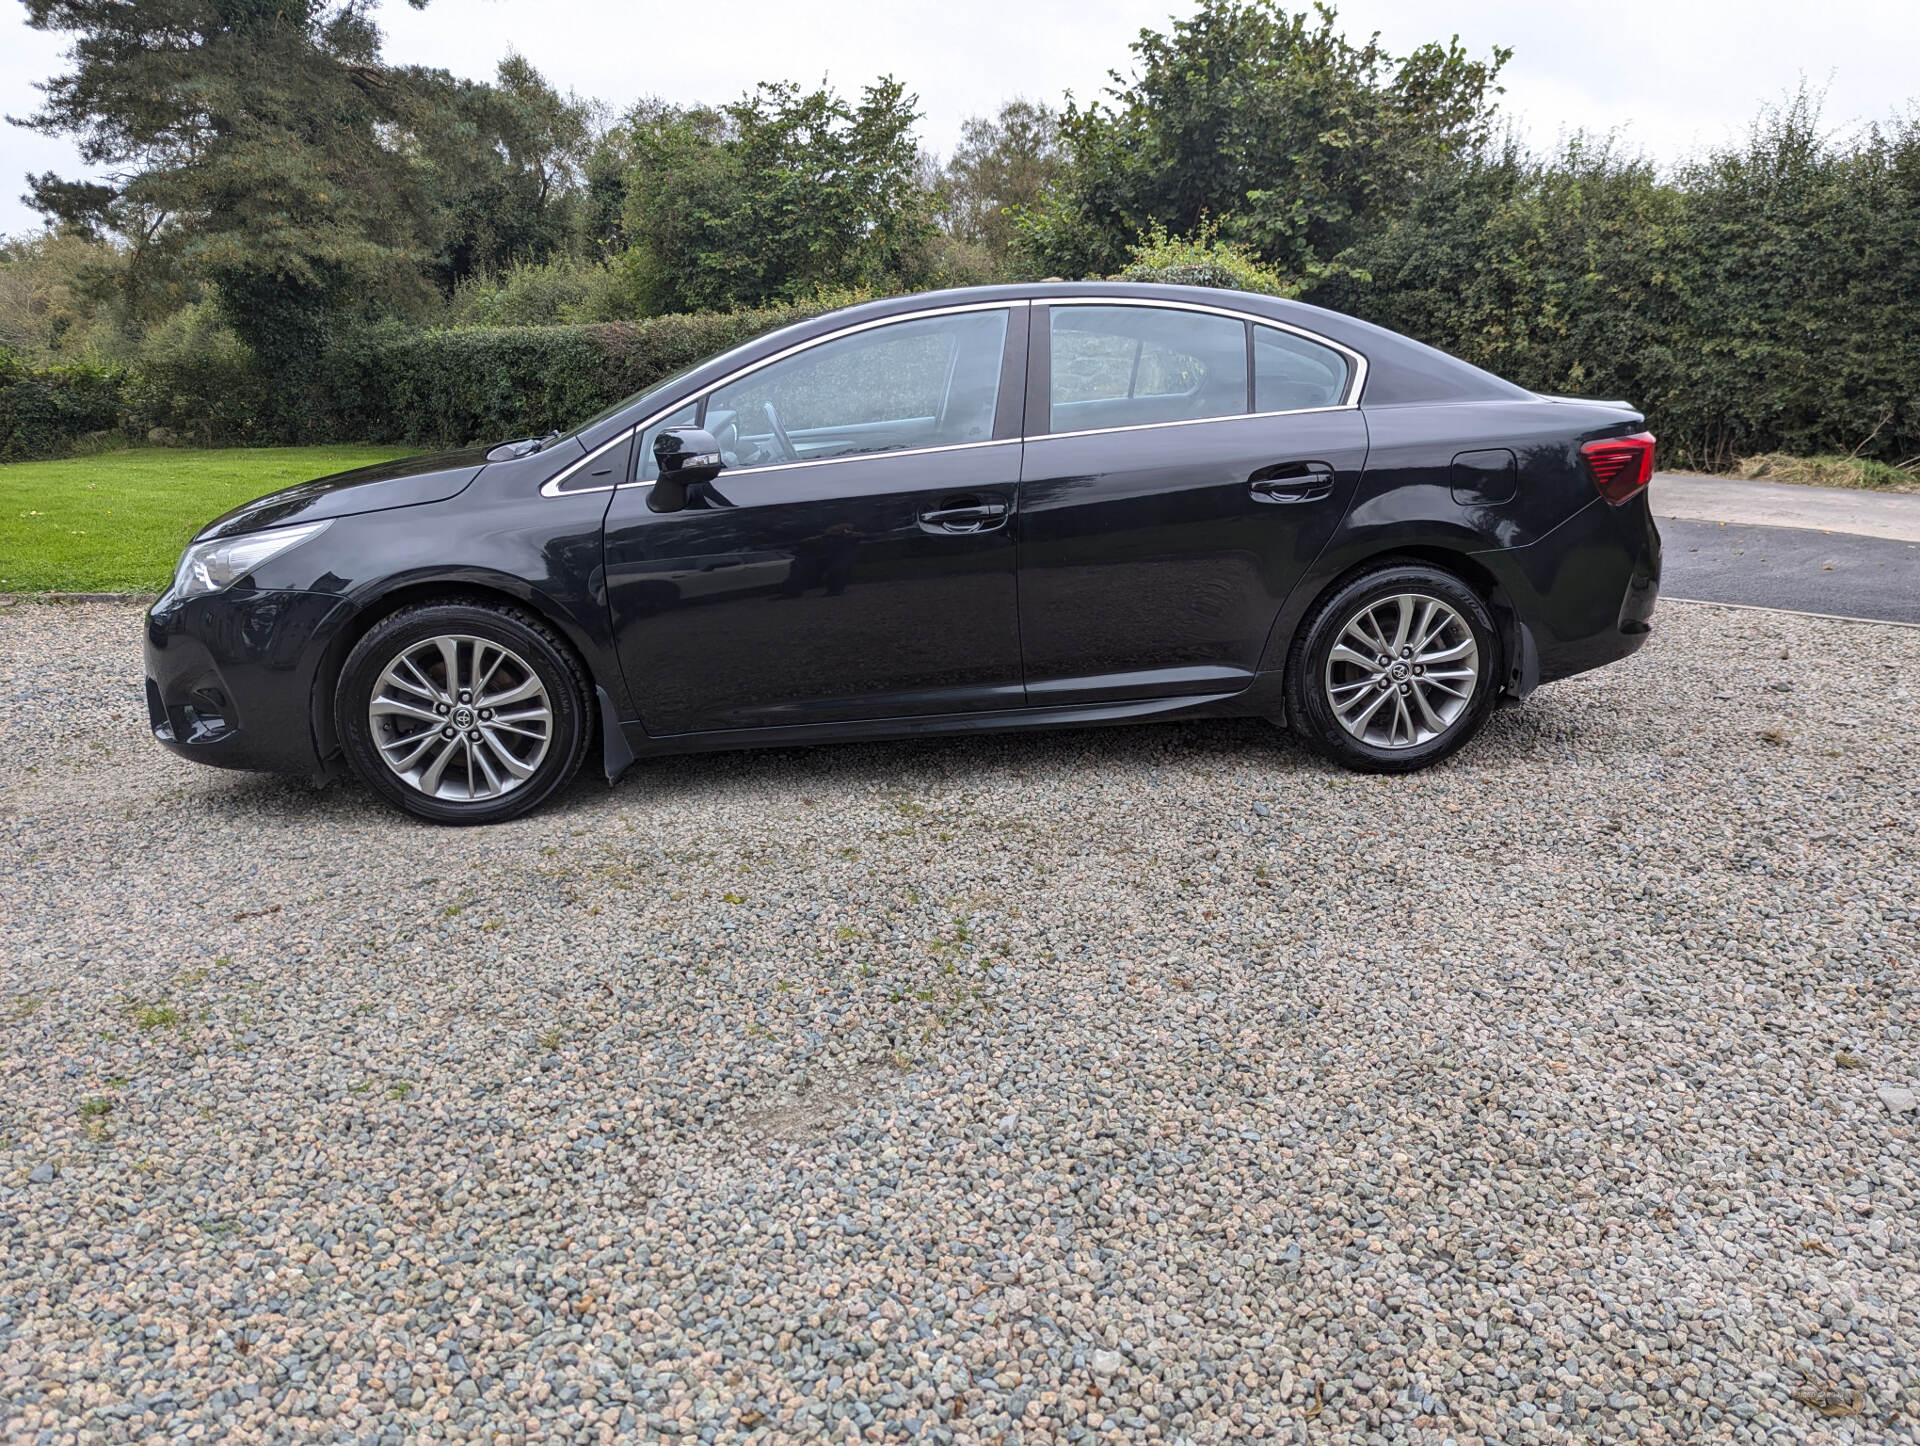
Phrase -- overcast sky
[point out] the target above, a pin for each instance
(1670, 75)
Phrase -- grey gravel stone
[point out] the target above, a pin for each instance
(40, 1175)
(893, 1091)
(1898, 1100)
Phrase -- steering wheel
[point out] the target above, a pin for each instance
(780, 432)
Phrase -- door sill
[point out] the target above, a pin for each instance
(1072, 715)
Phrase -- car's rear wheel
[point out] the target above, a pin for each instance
(462, 712)
(1395, 670)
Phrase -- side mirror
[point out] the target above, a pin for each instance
(685, 455)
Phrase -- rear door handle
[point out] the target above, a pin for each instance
(1292, 482)
(966, 514)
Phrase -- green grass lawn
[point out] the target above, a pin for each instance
(117, 522)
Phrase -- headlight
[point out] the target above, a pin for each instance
(209, 566)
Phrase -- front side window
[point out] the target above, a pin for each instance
(1291, 374)
(928, 383)
(1129, 366)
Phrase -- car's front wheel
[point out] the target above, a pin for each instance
(462, 712)
(1395, 670)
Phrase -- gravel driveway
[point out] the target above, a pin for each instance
(1146, 1084)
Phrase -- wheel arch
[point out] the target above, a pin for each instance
(1520, 653)
(482, 589)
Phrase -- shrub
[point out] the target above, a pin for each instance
(197, 381)
(51, 411)
(611, 293)
(1202, 259)
(559, 292)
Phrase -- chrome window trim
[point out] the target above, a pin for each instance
(1356, 384)
(1190, 422)
(552, 487)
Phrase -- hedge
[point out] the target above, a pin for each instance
(49, 411)
(1763, 299)
(447, 388)
(441, 388)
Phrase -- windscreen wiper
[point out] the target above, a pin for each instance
(522, 447)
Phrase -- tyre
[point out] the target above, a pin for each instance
(463, 712)
(1395, 669)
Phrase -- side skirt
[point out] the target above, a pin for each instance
(629, 740)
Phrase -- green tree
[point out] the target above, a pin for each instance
(1296, 140)
(775, 197)
(610, 161)
(248, 143)
(501, 166)
(57, 293)
(1004, 165)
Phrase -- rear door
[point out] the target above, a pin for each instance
(854, 560)
(1183, 467)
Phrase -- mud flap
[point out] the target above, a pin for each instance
(615, 755)
(1523, 674)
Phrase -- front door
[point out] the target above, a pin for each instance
(855, 558)
(1183, 468)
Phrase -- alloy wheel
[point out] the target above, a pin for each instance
(1402, 670)
(461, 718)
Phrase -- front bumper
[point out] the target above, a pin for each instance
(230, 676)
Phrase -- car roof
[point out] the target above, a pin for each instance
(1400, 370)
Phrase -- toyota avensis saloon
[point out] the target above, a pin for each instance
(1007, 507)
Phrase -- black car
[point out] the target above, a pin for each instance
(1008, 507)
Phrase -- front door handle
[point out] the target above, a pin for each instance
(1292, 482)
(966, 514)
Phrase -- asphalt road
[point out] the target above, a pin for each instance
(1790, 567)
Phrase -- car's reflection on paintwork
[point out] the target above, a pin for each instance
(725, 573)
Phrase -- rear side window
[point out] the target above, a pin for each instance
(1130, 366)
(1291, 374)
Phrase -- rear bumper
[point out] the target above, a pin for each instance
(1587, 590)
(230, 676)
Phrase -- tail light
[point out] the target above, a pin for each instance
(1621, 466)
